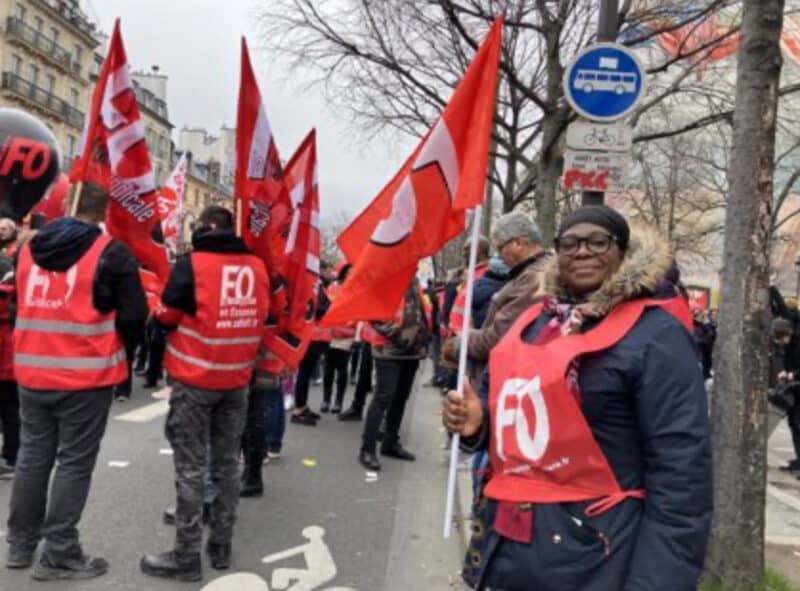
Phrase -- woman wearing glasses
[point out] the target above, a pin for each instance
(596, 426)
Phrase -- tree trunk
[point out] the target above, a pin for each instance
(736, 554)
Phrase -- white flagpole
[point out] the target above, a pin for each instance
(462, 366)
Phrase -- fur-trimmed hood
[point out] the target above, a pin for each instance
(646, 263)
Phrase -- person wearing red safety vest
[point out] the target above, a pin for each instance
(397, 348)
(214, 306)
(456, 316)
(320, 343)
(80, 305)
(596, 425)
(338, 354)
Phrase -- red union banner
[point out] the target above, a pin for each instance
(170, 205)
(114, 157)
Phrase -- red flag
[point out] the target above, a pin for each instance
(424, 205)
(293, 334)
(114, 157)
(260, 195)
(170, 204)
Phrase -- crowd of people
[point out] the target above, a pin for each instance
(584, 406)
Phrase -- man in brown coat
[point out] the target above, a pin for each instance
(518, 241)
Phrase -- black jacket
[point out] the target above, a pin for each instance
(645, 404)
(179, 292)
(117, 287)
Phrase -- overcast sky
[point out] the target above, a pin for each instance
(196, 44)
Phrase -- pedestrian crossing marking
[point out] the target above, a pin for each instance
(145, 413)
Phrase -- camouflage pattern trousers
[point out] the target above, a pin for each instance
(203, 425)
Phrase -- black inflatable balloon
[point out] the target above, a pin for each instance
(29, 162)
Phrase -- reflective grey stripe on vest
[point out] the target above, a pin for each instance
(208, 364)
(218, 341)
(63, 327)
(52, 362)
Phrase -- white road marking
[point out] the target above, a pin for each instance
(145, 413)
(166, 451)
(118, 464)
(237, 582)
(321, 567)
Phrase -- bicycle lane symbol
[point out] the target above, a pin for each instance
(320, 570)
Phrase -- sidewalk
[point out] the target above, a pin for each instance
(783, 508)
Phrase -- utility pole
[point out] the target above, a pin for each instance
(606, 31)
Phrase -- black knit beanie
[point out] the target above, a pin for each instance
(602, 216)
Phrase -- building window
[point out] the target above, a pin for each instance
(38, 23)
(75, 96)
(16, 64)
(78, 54)
(197, 196)
(50, 86)
(19, 12)
(33, 74)
(54, 35)
(71, 145)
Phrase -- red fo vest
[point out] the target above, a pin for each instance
(542, 449)
(456, 323)
(216, 348)
(61, 341)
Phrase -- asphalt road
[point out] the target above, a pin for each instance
(360, 534)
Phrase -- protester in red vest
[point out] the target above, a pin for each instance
(80, 305)
(597, 427)
(338, 354)
(215, 306)
(456, 316)
(320, 342)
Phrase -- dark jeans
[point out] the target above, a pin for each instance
(794, 428)
(199, 421)
(253, 436)
(63, 426)
(9, 416)
(274, 419)
(394, 384)
(157, 345)
(304, 373)
(364, 383)
(355, 355)
(335, 367)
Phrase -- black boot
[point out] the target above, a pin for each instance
(78, 568)
(369, 460)
(252, 484)
(220, 555)
(171, 565)
(351, 414)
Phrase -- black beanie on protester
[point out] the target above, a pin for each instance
(602, 216)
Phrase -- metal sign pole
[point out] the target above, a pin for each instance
(606, 31)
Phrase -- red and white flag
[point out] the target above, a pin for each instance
(424, 205)
(114, 157)
(293, 335)
(263, 208)
(170, 204)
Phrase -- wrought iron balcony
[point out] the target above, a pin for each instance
(33, 39)
(39, 97)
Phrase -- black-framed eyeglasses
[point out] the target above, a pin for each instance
(597, 243)
(506, 243)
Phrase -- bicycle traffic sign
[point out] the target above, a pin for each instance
(604, 82)
(603, 137)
